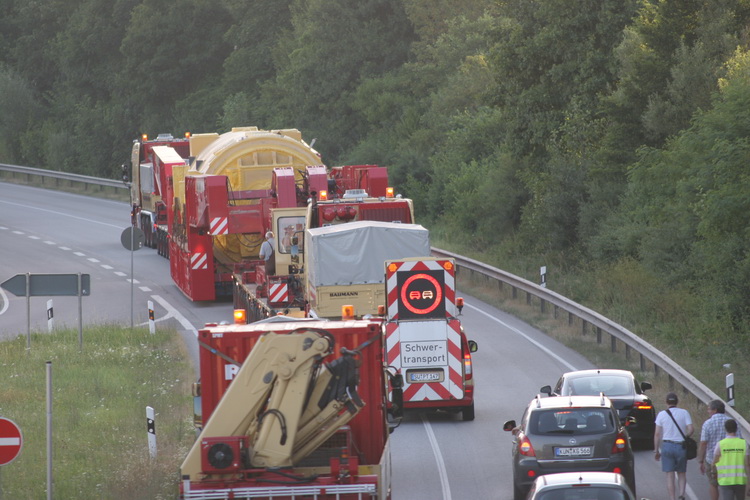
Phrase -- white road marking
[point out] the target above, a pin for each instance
(442, 471)
(174, 313)
(519, 332)
(59, 213)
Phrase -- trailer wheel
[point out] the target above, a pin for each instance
(467, 414)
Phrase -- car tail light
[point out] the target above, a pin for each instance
(640, 405)
(621, 443)
(467, 366)
(525, 448)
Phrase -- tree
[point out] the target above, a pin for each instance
(333, 47)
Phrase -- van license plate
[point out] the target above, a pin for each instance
(431, 376)
(578, 451)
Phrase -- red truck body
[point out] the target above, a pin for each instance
(355, 460)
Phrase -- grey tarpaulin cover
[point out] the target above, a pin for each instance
(355, 252)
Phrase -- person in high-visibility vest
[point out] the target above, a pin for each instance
(732, 460)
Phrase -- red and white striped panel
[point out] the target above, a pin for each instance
(391, 281)
(219, 225)
(450, 388)
(278, 292)
(199, 261)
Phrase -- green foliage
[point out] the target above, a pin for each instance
(599, 133)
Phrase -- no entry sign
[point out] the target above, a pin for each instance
(11, 441)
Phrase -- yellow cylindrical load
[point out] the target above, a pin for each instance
(247, 156)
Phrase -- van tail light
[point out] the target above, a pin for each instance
(524, 447)
(467, 366)
(621, 443)
(640, 405)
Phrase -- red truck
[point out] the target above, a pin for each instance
(293, 408)
(207, 201)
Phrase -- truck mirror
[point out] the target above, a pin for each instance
(473, 346)
(509, 425)
(546, 390)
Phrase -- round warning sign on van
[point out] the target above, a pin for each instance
(421, 294)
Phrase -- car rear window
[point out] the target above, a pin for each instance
(578, 492)
(610, 385)
(571, 421)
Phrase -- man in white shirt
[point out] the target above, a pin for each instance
(266, 253)
(668, 445)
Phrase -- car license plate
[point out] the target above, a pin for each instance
(576, 451)
(425, 376)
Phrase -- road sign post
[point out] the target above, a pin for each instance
(44, 285)
(132, 238)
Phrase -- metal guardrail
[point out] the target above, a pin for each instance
(646, 351)
(54, 179)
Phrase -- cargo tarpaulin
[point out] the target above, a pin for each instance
(356, 252)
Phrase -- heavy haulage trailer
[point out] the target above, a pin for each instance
(206, 202)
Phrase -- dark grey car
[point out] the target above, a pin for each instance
(569, 434)
(634, 407)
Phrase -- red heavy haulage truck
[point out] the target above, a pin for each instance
(293, 408)
(206, 202)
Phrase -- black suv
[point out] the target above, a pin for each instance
(569, 434)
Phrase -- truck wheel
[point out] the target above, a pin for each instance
(467, 414)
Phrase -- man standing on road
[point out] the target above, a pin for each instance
(732, 464)
(266, 253)
(668, 445)
(712, 432)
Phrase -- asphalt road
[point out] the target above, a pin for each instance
(435, 456)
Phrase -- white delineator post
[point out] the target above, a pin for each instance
(151, 427)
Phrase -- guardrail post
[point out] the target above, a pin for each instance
(627, 352)
(598, 335)
(583, 326)
(656, 370)
(570, 318)
(554, 313)
(613, 343)
(515, 293)
(543, 303)
(528, 299)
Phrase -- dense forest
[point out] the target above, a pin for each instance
(606, 139)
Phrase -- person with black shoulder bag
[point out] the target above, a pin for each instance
(672, 445)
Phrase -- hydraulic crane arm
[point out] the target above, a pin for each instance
(285, 399)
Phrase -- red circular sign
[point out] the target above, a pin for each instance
(11, 441)
(435, 296)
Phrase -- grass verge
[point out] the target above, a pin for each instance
(99, 399)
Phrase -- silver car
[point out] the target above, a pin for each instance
(581, 486)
